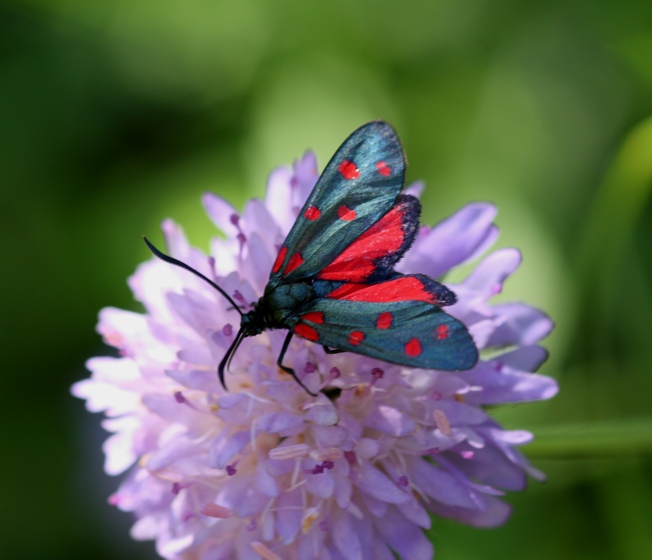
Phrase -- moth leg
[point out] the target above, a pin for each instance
(332, 350)
(286, 369)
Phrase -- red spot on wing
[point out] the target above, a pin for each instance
(383, 168)
(356, 262)
(346, 214)
(349, 170)
(405, 288)
(279, 259)
(314, 317)
(413, 348)
(306, 332)
(356, 337)
(296, 260)
(442, 332)
(312, 213)
(384, 320)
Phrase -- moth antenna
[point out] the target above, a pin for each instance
(226, 360)
(176, 262)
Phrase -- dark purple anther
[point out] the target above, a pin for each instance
(234, 219)
(178, 396)
(310, 368)
(230, 470)
(335, 372)
(328, 464)
(403, 481)
(227, 330)
(377, 373)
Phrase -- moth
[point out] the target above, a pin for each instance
(333, 281)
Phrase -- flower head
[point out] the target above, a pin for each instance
(265, 470)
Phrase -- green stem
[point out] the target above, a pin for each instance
(593, 440)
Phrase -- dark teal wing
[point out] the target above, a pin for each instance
(410, 333)
(358, 187)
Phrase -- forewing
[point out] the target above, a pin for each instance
(358, 187)
(410, 333)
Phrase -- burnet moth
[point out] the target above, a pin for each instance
(333, 281)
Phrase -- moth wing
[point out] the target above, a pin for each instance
(410, 333)
(372, 255)
(358, 187)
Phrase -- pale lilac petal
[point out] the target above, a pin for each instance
(454, 240)
(415, 189)
(438, 484)
(304, 179)
(524, 358)
(223, 215)
(376, 484)
(345, 538)
(488, 277)
(521, 324)
(288, 515)
(224, 448)
(404, 537)
(505, 385)
(279, 197)
(390, 421)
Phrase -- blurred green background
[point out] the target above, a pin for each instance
(115, 115)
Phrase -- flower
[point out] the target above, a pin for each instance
(267, 471)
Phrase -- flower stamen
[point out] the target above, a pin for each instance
(215, 510)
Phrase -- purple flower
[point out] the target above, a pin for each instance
(267, 471)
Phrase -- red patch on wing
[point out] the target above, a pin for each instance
(356, 337)
(279, 259)
(356, 262)
(346, 214)
(314, 317)
(312, 213)
(384, 320)
(413, 347)
(383, 168)
(405, 288)
(296, 260)
(442, 332)
(349, 170)
(306, 332)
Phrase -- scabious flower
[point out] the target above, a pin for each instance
(267, 471)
